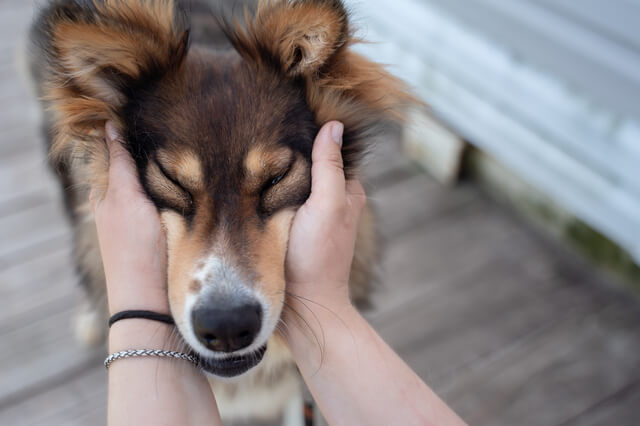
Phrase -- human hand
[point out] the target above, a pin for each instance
(132, 241)
(133, 248)
(357, 377)
(323, 234)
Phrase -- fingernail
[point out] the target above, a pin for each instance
(110, 130)
(336, 132)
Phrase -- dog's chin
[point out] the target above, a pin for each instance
(232, 366)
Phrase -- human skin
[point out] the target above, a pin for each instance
(355, 377)
(141, 391)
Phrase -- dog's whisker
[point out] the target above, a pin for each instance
(338, 317)
(302, 298)
(320, 345)
(282, 327)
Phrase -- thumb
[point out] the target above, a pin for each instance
(327, 169)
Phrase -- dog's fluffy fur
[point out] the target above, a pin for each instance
(219, 115)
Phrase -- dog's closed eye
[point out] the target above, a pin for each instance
(277, 177)
(276, 180)
(167, 190)
(288, 187)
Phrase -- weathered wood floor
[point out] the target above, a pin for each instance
(508, 327)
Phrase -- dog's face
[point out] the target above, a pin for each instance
(224, 153)
(222, 141)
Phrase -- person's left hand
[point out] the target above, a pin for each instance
(132, 240)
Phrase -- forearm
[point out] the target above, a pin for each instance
(152, 390)
(359, 379)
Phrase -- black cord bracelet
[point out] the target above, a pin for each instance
(153, 316)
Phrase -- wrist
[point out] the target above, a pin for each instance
(138, 333)
(151, 389)
(312, 335)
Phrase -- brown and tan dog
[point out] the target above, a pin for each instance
(221, 134)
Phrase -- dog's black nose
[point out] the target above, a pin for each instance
(227, 329)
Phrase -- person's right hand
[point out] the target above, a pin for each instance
(132, 240)
(323, 234)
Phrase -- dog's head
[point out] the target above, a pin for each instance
(221, 139)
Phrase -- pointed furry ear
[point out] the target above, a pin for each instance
(311, 40)
(92, 52)
(88, 58)
(296, 36)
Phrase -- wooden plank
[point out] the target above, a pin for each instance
(404, 206)
(44, 245)
(618, 22)
(451, 246)
(14, 22)
(15, 84)
(29, 289)
(24, 115)
(27, 184)
(41, 352)
(78, 401)
(621, 409)
(30, 228)
(16, 165)
(27, 200)
(554, 374)
(15, 87)
(460, 321)
(96, 416)
(579, 56)
(16, 140)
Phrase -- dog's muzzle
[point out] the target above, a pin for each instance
(227, 328)
(227, 323)
(234, 365)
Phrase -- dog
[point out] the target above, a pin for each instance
(219, 115)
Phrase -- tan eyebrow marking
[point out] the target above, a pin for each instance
(254, 162)
(185, 167)
(262, 163)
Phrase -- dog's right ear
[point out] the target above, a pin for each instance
(90, 54)
(297, 37)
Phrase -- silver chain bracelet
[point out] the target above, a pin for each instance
(149, 352)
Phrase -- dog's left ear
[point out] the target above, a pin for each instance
(310, 40)
(298, 36)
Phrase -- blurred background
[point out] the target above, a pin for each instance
(509, 215)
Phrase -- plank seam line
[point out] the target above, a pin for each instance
(620, 393)
(57, 380)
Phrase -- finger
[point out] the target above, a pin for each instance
(327, 170)
(122, 171)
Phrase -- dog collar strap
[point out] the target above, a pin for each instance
(149, 315)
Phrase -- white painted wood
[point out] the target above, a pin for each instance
(435, 147)
(582, 54)
(573, 148)
(617, 20)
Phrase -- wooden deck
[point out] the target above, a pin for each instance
(509, 327)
